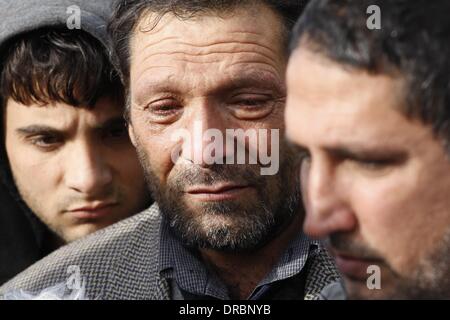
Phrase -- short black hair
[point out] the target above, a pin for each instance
(413, 41)
(52, 65)
(127, 15)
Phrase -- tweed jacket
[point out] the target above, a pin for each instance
(121, 263)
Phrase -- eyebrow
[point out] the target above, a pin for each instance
(37, 129)
(254, 79)
(356, 152)
(44, 129)
(364, 152)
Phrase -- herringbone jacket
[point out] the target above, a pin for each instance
(121, 263)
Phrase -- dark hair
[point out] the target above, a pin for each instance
(128, 13)
(413, 42)
(57, 65)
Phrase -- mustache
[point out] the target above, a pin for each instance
(346, 244)
(196, 175)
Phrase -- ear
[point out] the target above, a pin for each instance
(131, 134)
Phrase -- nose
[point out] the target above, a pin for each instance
(205, 145)
(327, 209)
(87, 170)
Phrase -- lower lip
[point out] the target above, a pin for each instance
(93, 214)
(354, 269)
(231, 194)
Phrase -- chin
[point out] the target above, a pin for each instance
(359, 291)
(82, 231)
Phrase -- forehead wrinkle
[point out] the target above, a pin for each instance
(249, 59)
(212, 52)
(244, 57)
(243, 41)
(192, 50)
(272, 70)
(156, 42)
(200, 38)
(156, 23)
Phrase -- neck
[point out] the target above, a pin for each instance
(241, 272)
(52, 242)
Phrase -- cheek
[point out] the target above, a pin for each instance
(34, 171)
(270, 134)
(38, 184)
(394, 220)
(155, 151)
(276, 120)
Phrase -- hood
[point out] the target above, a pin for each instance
(18, 17)
(22, 235)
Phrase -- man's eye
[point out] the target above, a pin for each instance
(251, 101)
(164, 111)
(373, 165)
(252, 106)
(45, 142)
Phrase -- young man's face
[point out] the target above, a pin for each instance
(206, 75)
(376, 183)
(74, 167)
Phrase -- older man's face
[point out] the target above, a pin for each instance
(376, 183)
(191, 78)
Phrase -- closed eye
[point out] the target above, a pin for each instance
(252, 106)
(374, 164)
(164, 111)
(251, 100)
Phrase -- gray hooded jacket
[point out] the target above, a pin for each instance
(22, 235)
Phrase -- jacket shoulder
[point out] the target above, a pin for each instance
(322, 272)
(108, 261)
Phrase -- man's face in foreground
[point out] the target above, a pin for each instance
(376, 183)
(74, 167)
(203, 76)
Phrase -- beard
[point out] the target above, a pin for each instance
(240, 225)
(430, 278)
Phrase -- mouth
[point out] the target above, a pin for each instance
(218, 192)
(94, 211)
(353, 267)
